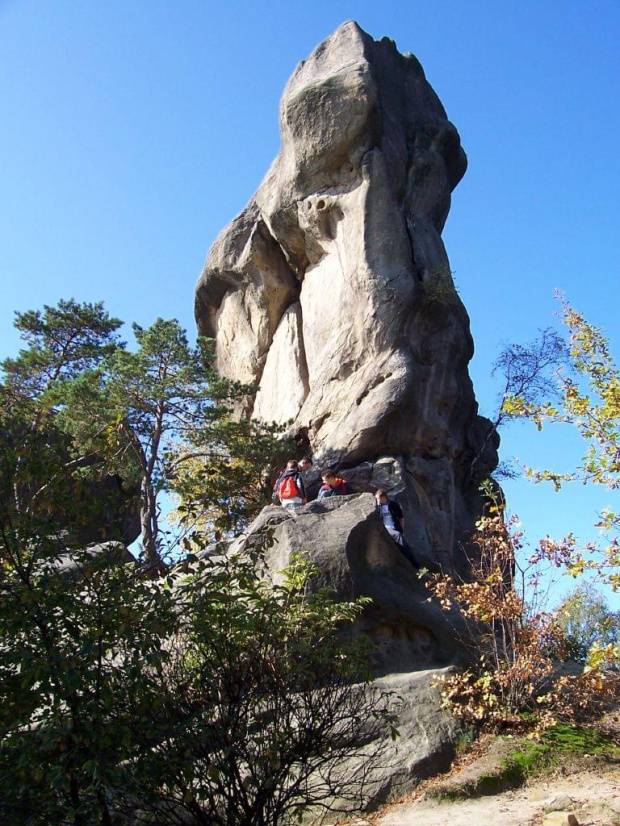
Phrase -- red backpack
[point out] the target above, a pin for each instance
(288, 488)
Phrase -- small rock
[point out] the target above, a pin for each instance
(560, 802)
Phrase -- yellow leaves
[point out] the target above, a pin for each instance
(514, 406)
(577, 567)
(519, 649)
(603, 656)
(590, 402)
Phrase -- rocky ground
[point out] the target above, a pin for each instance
(580, 792)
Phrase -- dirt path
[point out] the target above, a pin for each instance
(593, 796)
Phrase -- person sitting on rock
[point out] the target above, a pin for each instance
(394, 522)
(290, 487)
(333, 485)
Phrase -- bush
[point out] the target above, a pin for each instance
(515, 650)
(207, 697)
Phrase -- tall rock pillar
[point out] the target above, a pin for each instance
(332, 291)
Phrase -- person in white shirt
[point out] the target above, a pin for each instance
(394, 522)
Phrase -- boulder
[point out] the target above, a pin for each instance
(386, 769)
(412, 639)
(355, 557)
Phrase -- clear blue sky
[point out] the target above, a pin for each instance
(134, 130)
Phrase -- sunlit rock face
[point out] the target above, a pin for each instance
(331, 292)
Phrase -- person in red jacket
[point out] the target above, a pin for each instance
(333, 485)
(290, 487)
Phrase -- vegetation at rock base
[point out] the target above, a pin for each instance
(519, 759)
(554, 747)
(205, 695)
(516, 647)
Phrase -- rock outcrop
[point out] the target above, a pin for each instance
(332, 294)
(355, 557)
(411, 638)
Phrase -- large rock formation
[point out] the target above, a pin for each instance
(332, 294)
(411, 638)
(355, 557)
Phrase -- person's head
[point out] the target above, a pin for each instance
(305, 463)
(292, 464)
(381, 497)
(329, 477)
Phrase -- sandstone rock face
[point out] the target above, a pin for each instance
(427, 742)
(384, 770)
(332, 294)
(344, 538)
(410, 637)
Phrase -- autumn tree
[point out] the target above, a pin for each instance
(516, 645)
(588, 398)
(520, 647)
(587, 621)
(513, 643)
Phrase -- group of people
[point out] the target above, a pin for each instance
(290, 492)
(290, 488)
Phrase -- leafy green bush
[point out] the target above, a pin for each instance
(210, 696)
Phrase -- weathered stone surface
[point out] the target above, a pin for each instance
(286, 364)
(74, 564)
(332, 290)
(410, 636)
(425, 746)
(440, 512)
(355, 556)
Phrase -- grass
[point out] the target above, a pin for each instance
(556, 747)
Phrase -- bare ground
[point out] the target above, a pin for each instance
(592, 795)
(588, 788)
